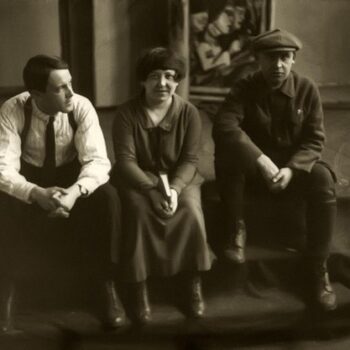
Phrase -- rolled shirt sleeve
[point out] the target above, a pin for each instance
(91, 147)
(11, 125)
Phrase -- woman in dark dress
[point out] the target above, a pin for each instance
(163, 232)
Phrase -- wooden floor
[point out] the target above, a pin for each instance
(247, 308)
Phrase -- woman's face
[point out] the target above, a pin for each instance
(160, 85)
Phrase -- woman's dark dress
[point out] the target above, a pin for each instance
(152, 245)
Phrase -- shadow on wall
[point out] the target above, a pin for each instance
(123, 29)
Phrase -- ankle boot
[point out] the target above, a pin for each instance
(196, 305)
(114, 314)
(323, 292)
(7, 308)
(234, 251)
(142, 310)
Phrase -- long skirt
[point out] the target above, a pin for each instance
(152, 246)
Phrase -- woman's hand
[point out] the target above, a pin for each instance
(160, 205)
(173, 201)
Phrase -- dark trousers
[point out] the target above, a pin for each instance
(317, 188)
(29, 240)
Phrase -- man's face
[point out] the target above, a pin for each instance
(160, 85)
(199, 21)
(275, 66)
(58, 96)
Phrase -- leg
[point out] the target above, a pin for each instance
(139, 242)
(189, 294)
(231, 185)
(320, 220)
(95, 220)
(190, 212)
(7, 305)
(319, 191)
(12, 215)
(321, 212)
(142, 312)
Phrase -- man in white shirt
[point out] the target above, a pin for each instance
(54, 171)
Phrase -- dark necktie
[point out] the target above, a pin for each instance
(49, 166)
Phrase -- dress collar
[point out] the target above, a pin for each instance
(169, 119)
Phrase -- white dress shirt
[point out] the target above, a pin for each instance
(88, 143)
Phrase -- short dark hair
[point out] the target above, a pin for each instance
(37, 70)
(160, 58)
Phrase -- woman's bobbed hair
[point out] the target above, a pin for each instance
(160, 58)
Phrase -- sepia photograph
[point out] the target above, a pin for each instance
(174, 174)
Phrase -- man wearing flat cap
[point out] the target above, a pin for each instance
(268, 136)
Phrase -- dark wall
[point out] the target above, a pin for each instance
(122, 30)
(76, 24)
(26, 29)
(323, 26)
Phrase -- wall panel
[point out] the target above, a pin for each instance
(323, 26)
(27, 28)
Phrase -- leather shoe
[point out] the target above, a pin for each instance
(197, 305)
(114, 316)
(234, 251)
(7, 308)
(143, 313)
(324, 294)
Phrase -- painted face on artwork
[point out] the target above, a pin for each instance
(275, 66)
(58, 96)
(222, 24)
(199, 21)
(238, 17)
(229, 19)
(160, 85)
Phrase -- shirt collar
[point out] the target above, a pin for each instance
(169, 119)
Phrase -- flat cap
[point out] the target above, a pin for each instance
(276, 40)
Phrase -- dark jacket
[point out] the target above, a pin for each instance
(285, 124)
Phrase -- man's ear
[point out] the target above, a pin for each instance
(35, 93)
(256, 57)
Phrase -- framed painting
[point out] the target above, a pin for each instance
(219, 35)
